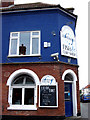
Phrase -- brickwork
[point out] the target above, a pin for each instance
(41, 69)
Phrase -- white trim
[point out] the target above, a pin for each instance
(22, 107)
(31, 44)
(74, 91)
(71, 72)
(23, 93)
(22, 71)
(18, 43)
(68, 81)
(24, 55)
(16, 74)
(11, 37)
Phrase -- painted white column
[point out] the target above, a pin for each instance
(74, 98)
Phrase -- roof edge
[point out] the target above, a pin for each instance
(47, 6)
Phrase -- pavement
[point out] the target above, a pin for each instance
(76, 118)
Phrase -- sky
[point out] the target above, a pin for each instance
(81, 9)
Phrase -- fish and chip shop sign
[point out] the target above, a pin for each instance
(68, 42)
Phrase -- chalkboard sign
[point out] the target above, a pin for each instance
(48, 96)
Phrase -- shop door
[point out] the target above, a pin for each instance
(68, 99)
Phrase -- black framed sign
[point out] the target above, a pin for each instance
(48, 96)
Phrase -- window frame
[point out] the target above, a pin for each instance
(55, 85)
(22, 106)
(23, 92)
(18, 41)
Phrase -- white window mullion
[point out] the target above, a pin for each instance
(10, 45)
(11, 40)
(18, 43)
(35, 95)
(39, 44)
(10, 96)
(23, 92)
(31, 44)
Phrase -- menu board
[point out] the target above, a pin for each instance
(48, 96)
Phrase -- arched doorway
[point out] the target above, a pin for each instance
(22, 90)
(70, 93)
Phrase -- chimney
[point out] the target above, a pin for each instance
(6, 3)
(70, 10)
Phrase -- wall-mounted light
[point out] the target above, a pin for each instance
(55, 56)
(53, 33)
(68, 23)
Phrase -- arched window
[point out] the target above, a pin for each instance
(23, 90)
(68, 77)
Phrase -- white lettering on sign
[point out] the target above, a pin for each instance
(68, 42)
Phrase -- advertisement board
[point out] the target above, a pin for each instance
(68, 42)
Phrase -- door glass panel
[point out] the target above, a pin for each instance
(67, 96)
(29, 96)
(67, 92)
(17, 96)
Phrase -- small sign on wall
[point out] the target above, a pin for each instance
(68, 42)
(47, 44)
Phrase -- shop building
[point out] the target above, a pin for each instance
(39, 62)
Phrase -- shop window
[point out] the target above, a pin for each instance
(17, 96)
(29, 96)
(26, 43)
(22, 93)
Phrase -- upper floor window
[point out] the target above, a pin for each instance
(24, 43)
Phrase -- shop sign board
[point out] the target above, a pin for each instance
(68, 42)
(48, 92)
(48, 96)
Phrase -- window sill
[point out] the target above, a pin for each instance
(22, 107)
(35, 55)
